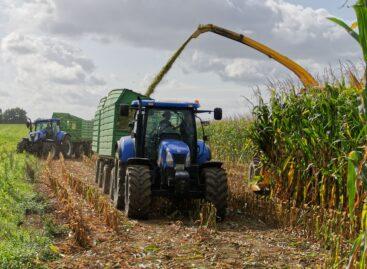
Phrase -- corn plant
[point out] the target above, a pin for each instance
(360, 9)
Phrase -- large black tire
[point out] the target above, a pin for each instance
(113, 179)
(88, 149)
(97, 170)
(67, 147)
(49, 149)
(106, 179)
(79, 151)
(100, 175)
(216, 189)
(22, 145)
(138, 191)
(117, 191)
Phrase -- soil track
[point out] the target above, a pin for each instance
(178, 242)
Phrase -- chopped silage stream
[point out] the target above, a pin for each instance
(175, 241)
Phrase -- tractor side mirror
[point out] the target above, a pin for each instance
(124, 110)
(29, 124)
(218, 113)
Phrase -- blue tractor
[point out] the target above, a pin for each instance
(164, 157)
(46, 138)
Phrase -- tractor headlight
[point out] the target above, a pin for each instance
(169, 159)
(188, 160)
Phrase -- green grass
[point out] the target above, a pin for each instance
(21, 246)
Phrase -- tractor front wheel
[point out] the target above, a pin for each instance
(67, 147)
(216, 189)
(49, 149)
(137, 191)
(22, 145)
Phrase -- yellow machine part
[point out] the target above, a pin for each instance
(306, 78)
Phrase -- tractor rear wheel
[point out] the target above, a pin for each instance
(67, 147)
(138, 191)
(106, 179)
(216, 189)
(49, 149)
(118, 192)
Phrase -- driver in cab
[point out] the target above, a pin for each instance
(166, 122)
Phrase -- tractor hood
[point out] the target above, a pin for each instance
(37, 135)
(172, 153)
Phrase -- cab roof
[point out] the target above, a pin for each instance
(46, 120)
(156, 104)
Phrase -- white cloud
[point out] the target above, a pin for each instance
(43, 40)
(47, 60)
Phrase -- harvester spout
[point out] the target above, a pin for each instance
(306, 78)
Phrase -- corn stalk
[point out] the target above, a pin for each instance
(360, 9)
(357, 177)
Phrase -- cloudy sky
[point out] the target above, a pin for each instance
(64, 55)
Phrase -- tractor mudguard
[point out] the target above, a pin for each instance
(139, 161)
(126, 148)
(211, 164)
(204, 154)
(60, 136)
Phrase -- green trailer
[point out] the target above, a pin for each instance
(108, 128)
(79, 130)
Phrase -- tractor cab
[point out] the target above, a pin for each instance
(164, 157)
(44, 129)
(166, 132)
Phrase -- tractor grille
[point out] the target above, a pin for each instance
(179, 158)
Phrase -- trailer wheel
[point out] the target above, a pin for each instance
(100, 173)
(138, 191)
(97, 170)
(106, 178)
(118, 191)
(112, 182)
(67, 147)
(79, 151)
(216, 189)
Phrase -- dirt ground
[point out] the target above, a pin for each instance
(176, 240)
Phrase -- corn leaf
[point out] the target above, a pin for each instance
(351, 180)
(361, 12)
(346, 27)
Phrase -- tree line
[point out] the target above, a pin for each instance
(13, 115)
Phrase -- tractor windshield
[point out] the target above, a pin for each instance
(168, 124)
(51, 128)
(42, 125)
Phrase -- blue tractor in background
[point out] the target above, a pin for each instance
(164, 157)
(46, 138)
